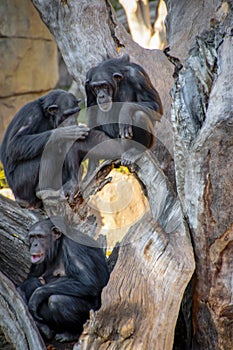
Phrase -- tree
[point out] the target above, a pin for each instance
(141, 303)
(147, 34)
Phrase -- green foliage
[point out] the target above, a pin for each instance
(82, 118)
(122, 170)
(115, 4)
(3, 182)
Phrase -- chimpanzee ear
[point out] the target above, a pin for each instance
(117, 76)
(56, 233)
(52, 109)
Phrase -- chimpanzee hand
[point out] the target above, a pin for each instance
(34, 302)
(71, 133)
(125, 120)
(125, 131)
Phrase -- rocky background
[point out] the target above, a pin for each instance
(28, 58)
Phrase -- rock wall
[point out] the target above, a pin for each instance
(28, 58)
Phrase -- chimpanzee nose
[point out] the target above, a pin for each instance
(101, 96)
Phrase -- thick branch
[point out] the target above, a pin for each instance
(14, 223)
(202, 118)
(156, 257)
(15, 321)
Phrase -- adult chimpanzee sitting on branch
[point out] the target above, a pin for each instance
(122, 102)
(65, 280)
(26, 136)
(38, 124)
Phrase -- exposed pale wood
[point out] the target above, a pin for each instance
(140, 304)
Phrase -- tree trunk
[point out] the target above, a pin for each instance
(16, 321)
(141, 302)
(14, 223)
(202, 117)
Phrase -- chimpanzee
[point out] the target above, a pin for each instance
(26, 136)
(122, 102)
(65, 280)
(30, 130)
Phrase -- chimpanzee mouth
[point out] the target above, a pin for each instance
(36, 258)
(105, 107)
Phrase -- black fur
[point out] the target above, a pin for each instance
(132, 84)
(73, 275)
(25, 139)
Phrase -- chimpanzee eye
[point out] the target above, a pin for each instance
(96, 89)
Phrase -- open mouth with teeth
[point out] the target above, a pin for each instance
(36, 258)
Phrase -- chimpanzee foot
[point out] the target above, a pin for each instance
(129, 157)
(45, 331)
(66, 337)
(70, 189)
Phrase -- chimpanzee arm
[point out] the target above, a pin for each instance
(129, 110)
(26, 146)
(62, 286)
(99, 146)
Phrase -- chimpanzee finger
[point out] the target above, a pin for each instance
(128, 132)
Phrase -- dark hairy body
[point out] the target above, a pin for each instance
(48, 127)
(65, 280)
(122, 102)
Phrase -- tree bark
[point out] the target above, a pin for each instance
(16, 321)
(14, 223)
(203, 125)
(141, 302)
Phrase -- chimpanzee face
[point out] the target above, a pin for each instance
(104, 95)
(103, 85)
(64, 107)
(42, 243)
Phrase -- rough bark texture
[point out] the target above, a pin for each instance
(28, 58)
(14, 223)
(188, 18)
(141, 303)
(16, 321)
(203, 124)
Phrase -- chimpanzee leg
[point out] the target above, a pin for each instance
(143, 129)
(143, 138)
(65, 315)
(96, 146)
(72, 169)
(23, 183)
